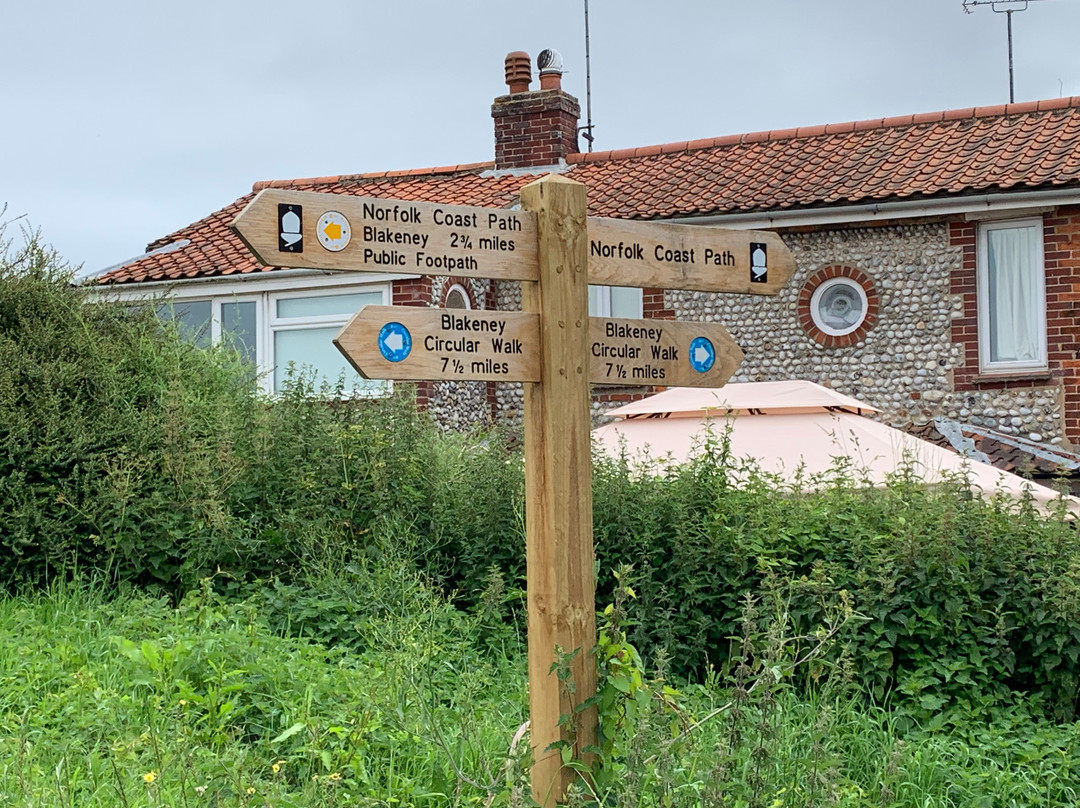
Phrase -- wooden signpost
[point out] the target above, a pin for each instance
(552, 345)
(661, 352)
(406, 342)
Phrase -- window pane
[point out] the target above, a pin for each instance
(238, 328)
(326, 305)
(311, 349)
(192, 319)
(625, 302)
(1012, 292)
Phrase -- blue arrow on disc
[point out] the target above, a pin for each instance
(702, 355)
(395, 342)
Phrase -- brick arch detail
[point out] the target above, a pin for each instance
(806, 319)
(453, 281)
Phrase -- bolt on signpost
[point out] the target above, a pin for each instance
(553, 346)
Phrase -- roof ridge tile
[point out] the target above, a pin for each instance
(371, 175)
(896, 121)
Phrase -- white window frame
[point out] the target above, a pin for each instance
(603, 303)
(274, 324)
(457, 287)
(265, 294)
(986, 365)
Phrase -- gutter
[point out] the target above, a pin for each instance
(881, 211)
(271, 280)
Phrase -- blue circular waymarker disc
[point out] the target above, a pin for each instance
(702, 355)
(395, 342)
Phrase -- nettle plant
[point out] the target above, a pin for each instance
(649, 736)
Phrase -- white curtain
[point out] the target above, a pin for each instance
(1013, 300)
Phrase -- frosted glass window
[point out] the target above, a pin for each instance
(838, 306)
(625, 302)
(327, 305)
(1012, 306)
(312, 350)
(595, 307)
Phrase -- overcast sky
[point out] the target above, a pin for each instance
(124, 121)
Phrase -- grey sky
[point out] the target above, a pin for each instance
(124, 121)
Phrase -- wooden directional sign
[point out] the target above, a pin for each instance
(406, 342)
(333, 231)
(410, 343)
(661, 352)
(673, 256)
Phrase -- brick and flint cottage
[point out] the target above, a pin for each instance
(938, 258)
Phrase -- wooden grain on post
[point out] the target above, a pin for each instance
(406, 342)
(558, 486)
(332, 231)
(673, 256)
(661, 352)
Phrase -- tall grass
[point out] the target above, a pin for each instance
(126, 700)
(121, 699)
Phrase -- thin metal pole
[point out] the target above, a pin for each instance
(588, 82)
(1008, 19)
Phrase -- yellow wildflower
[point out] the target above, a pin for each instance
(335, 776)
(250, 791)
(277, 766)
(149, 777)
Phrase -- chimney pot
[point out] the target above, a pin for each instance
(550, 63)
(518, 71)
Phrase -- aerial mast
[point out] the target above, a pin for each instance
(1006, 7)
(586, 130)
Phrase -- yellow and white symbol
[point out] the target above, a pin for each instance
(333, 231)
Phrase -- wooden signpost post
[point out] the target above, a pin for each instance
(552, 345)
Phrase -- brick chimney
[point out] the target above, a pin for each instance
(534, 128)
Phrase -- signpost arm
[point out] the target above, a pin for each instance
(558, 480)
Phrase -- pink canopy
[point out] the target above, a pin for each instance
(795, 428)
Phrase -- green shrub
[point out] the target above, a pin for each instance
(964, 601)
(110, 431)
(128, 451)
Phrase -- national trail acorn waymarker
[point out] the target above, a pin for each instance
(552, 345)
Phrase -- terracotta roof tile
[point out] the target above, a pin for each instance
(956, 152)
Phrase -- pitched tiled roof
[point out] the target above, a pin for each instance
(961, 152)
(987, 149)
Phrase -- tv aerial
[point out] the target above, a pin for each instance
(1008, 8)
